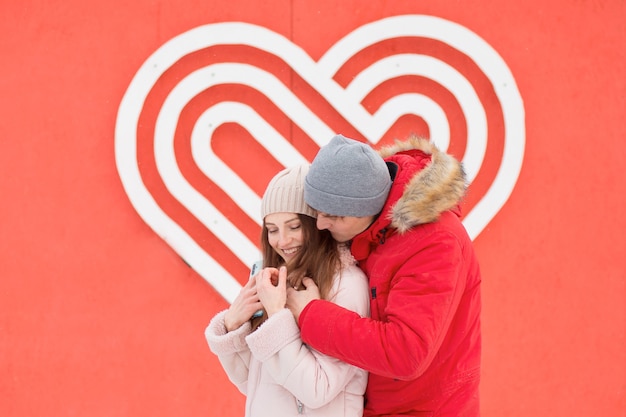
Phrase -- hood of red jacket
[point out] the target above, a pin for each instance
(426, 183)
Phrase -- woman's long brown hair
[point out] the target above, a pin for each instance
(318, 259)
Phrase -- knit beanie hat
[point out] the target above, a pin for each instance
(285, 193)
(347, 178)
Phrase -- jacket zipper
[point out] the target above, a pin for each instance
(300, 406)
(374, 304)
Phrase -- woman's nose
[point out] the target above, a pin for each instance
(284, 238)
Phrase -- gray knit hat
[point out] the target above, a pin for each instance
(285, 193)
(347, 178)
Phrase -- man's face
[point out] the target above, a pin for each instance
(343, 228)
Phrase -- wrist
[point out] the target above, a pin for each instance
(230, 325)
(274, 310)
(302, 314)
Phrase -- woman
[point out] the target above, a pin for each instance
(264, 356)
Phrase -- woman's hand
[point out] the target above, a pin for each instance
(271, 285)
(244, 306)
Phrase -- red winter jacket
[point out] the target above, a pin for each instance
(422, 342)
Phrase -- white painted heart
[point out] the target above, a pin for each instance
(347, 102)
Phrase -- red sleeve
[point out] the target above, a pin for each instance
(423, 297)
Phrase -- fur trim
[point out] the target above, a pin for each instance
(223, 342)
(274, 334)
(438, 187)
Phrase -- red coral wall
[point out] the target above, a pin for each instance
(136, 139)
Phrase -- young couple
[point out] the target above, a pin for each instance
(413, 324)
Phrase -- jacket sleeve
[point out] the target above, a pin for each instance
(313, 378)
(231, 350)
(423, 295)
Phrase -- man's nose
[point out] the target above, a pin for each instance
(322, 223)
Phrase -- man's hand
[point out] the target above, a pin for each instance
(297, 300)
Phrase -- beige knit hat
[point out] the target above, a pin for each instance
(285, 193)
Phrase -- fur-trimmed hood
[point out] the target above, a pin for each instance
(427, 183)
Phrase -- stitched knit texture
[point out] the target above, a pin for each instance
(347, 178)
(285, 193)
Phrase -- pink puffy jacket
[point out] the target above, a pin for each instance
(280, 375)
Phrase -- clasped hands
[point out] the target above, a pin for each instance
(268, 289)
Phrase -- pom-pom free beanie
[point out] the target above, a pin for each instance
(285, 193)
(347, 178)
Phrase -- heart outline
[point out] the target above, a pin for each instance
(318, 74)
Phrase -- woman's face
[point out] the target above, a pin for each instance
(284, 234)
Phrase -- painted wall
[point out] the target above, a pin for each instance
(137, 137)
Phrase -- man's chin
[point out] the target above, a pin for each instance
(340, 239)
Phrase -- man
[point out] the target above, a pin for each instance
(399, 210)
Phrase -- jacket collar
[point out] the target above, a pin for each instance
(426, 182)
